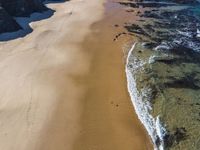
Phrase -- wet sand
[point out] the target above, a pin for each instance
(108, 119)
(63, 86)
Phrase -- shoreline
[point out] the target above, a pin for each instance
(162, 74)
(152, 125)
(108, 100)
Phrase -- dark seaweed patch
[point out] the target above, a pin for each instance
(150, 14)
(149, 28)
(158, 141)
(184, 51)
(133, 28)
(146, 4)
(171, 139)
(149, 45)
(130, 10)
(167, 61)
(181, 56)
(188, 82)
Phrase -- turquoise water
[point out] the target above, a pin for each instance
(196, 10)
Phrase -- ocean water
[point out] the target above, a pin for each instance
(163, 72)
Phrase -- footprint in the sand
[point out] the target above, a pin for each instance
(115, 105)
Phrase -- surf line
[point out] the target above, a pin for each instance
(153, 125)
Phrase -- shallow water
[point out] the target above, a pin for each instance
(165, 66)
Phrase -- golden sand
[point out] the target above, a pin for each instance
(108, 119)
(63, 86)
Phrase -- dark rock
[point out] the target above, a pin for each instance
(146, 4)
(157, 142)
(149, 45)
(22, 7)
(174, 138)
(17, 8)
(7, 23)
(133, 28)
(150, 14)
(116, 25)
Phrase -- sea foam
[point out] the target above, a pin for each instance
(142, 104)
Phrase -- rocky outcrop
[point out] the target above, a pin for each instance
(22, 7)
(7, 23)
(17, 8)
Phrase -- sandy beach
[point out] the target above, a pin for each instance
(63, 86)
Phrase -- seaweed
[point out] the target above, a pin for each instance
(171, 139)
(133, 28)
(187, 82)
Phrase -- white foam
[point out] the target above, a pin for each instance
(162, 46)
(187, 34)
(198, 33)
(142, 106)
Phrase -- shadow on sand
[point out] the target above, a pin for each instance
(24, 22)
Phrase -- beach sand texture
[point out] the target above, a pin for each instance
(63, 86)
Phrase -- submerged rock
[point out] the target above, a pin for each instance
(186, 1)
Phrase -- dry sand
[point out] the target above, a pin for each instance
(37, 79)
(61, 91)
